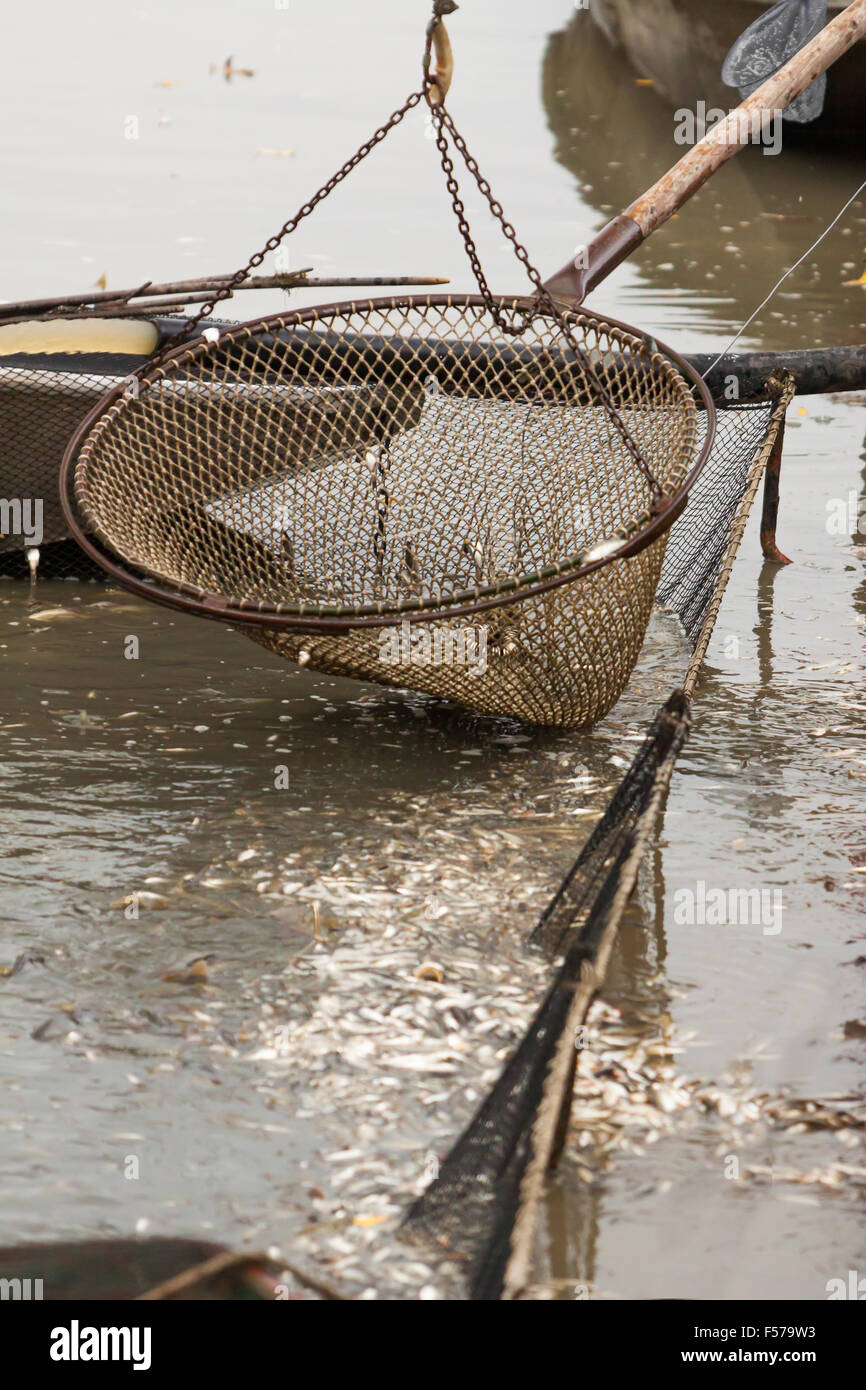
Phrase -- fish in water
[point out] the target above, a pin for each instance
(410, 574)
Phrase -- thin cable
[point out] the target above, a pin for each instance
(789, 271)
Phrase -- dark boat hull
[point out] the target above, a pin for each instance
(680, 46)
(110, 1270)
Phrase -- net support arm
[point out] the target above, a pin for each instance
(770, 513)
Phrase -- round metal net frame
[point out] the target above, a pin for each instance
(389, 491)
(467, 495)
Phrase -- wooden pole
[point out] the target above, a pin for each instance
(623, 234)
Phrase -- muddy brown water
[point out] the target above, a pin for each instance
(301, 1093)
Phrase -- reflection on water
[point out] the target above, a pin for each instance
(412, 842)
(715, 261)
(679, 46)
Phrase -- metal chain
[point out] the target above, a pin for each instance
(228, 289)
(543, 298)
(440, 8)
(518, 324)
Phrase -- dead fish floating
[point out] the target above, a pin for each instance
(52, 615)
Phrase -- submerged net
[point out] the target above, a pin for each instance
(39, 413)
(326, 477)
(481, 1209)
(44, 397)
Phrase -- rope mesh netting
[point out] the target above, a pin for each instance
(40, 410)
(327, 475)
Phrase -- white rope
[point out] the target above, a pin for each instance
(790, 271)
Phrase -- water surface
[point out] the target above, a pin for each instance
(363, 925)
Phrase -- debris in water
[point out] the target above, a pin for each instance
(193, 971)
(142, 898)
(430, 971)
(57, 1028)
(24, 958)
(50, 615)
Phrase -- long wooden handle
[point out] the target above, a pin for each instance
(619, 238)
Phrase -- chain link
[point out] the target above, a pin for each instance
(383, 505)
(228, 289)
(543, 302)
(515, 326)
(441, 121)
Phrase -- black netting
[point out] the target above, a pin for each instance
(59, 560)
(480, 1210)
(699, 539)
(575, 899)
(469, 1211)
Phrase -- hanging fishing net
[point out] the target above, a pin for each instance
(391, 491)
(466, 495)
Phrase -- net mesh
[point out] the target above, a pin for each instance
(347, 472)
(479, 1212)
(700, 537)
(39, 413)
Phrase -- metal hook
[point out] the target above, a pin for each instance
(437, 37)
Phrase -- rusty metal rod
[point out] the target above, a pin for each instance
(146, 289)
(770, 512)
(298, 279)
